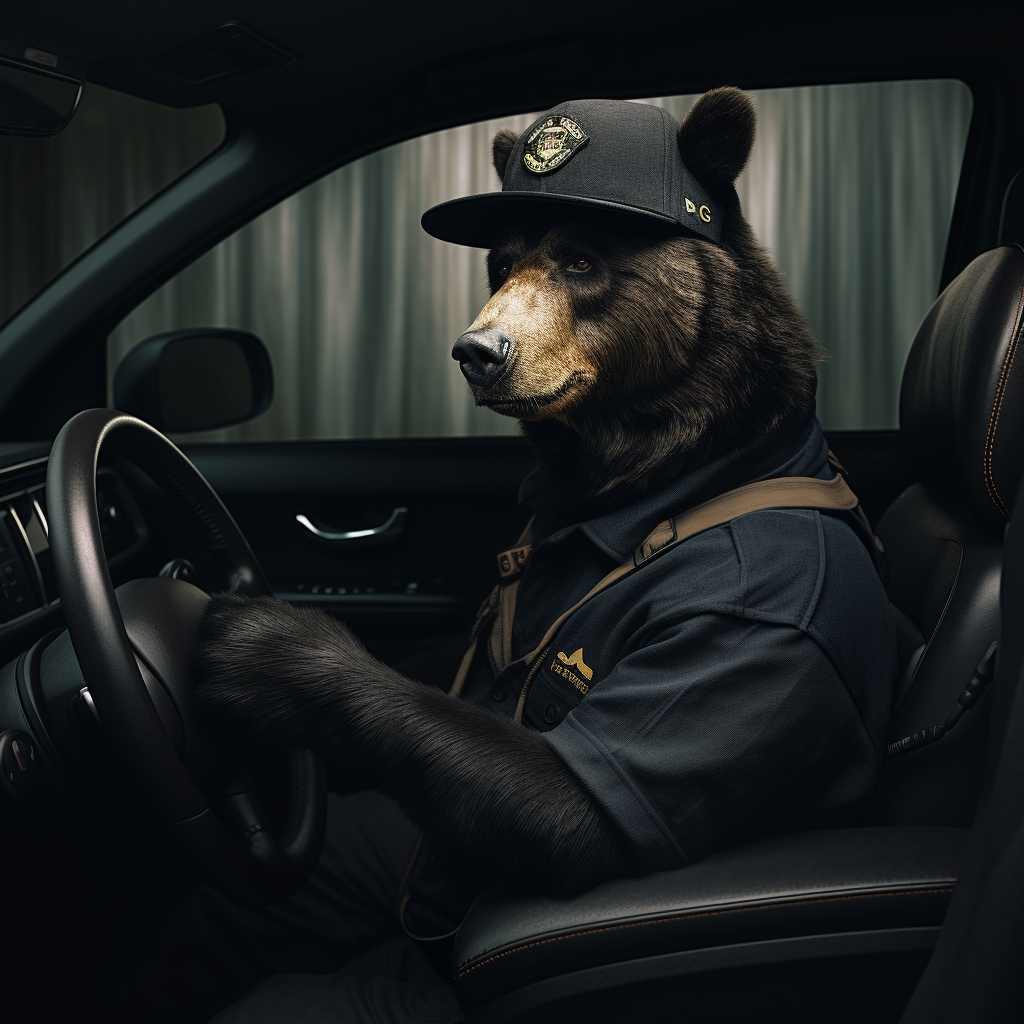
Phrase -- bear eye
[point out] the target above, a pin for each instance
(579, 266)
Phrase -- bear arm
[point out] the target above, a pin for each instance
(489, 791)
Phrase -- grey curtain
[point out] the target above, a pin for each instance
(851, 188)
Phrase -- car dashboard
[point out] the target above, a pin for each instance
(28, 584)
(138, 539)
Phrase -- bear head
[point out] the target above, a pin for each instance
(633, 353)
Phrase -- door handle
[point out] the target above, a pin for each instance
(390, 529)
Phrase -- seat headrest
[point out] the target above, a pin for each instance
(962, 397)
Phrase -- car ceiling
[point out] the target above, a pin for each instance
(493, 57)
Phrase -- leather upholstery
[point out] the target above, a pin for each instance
(797, 885)
(944, 573)
(962, 398)
(962, 423)
(974, 976)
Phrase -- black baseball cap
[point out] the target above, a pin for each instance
(612, 155)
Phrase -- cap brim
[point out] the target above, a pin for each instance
(479, 220)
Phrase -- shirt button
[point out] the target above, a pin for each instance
(551, 713)
(498, 695)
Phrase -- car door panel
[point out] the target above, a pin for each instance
(400, 590)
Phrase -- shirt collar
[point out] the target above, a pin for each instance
(798, 451)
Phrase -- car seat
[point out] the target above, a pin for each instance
(961, 418)
(835, 923)
(975, 976)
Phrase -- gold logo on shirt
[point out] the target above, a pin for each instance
(576, 659)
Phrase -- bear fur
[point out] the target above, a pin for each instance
(637, 355)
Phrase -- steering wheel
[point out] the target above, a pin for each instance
(169, 751)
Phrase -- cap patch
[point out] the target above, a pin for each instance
(551, 143)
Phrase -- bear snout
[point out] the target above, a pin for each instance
(483, 355)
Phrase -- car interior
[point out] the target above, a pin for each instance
(114, 809)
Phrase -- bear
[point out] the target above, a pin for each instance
(648, 346)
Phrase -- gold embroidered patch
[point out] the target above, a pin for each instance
(576, 659)
(551, 143)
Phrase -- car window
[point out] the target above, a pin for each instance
(58, 195)
(851, 187)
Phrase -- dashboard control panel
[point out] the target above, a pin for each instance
(28, 582)
(17, 595)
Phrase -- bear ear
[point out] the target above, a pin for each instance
(501, 150)
(716, 136)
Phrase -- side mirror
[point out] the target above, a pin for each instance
(199, 379)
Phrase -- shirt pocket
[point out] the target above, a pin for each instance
(552, 697)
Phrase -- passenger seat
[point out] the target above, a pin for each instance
(962, 426)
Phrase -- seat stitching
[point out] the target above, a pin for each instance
(707, 913)
(990, 483)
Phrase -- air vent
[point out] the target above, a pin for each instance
(28, 516)
(230, 50)
(17, 593)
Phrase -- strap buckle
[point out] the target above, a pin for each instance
(511, 562)
(661, 536)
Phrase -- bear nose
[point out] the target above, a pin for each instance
(482, 355)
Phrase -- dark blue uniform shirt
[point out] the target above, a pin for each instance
(740, 682)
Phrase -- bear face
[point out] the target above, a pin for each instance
(577, 309)
(582, 308)
(632, 354)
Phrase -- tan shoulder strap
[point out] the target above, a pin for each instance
(499, 607)
(781, 492)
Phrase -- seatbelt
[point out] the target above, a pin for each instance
(780, 492)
